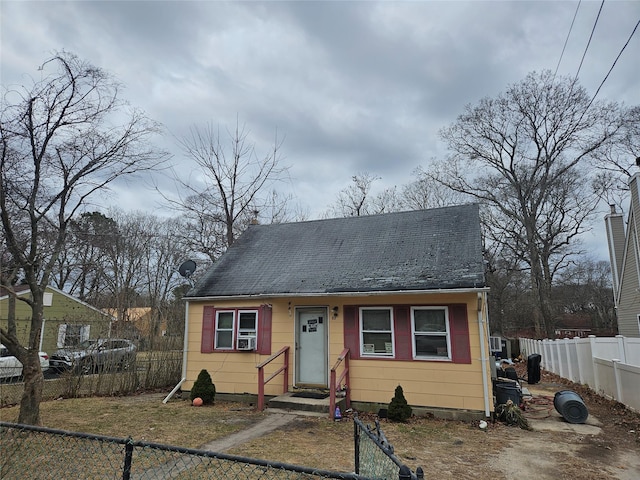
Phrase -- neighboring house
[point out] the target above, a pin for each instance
(404, 292)
(140, 319)
(67, 320)
(137, 323)
(624, 252)
(571, 325)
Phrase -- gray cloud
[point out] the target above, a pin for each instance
(353, 86)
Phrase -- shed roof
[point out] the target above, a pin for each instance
(438, 248)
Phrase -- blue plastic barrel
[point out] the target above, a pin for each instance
(571, 406)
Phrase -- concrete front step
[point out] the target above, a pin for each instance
(287, 401)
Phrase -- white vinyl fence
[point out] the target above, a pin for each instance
(608, 365)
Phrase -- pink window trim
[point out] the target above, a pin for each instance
(458, 332)
(263, 332)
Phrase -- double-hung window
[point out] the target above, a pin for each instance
(430, 331)
(232, 324)
(376, 331)
(225, 321)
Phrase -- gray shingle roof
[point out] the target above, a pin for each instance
(418, 250)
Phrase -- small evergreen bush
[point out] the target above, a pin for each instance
(399, 410)
(204, 388)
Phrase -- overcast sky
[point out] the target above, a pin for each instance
(350, 86)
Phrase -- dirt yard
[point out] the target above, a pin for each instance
(606, 447)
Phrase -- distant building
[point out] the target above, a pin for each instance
(573, 325)
(67, 320)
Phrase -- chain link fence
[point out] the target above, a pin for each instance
(44, 453)
(374, 457)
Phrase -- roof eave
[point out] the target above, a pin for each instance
(375, 293)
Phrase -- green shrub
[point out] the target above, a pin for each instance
(399, 410)
(204, 388)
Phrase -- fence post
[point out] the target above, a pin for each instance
(576, 345)
(567, 351)
(552, 355)
(405, 473)
(561, 360)
(356, 443)
(622, 354)
(128, 455)
(592, 346)
(616, 375)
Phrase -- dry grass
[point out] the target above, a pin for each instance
(309, 441)
(444, 449)
(144, 418)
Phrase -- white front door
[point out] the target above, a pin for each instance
(311, 346)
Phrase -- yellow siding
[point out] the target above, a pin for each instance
(425, 383)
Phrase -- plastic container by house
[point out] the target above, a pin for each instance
(533, 368)
(571, 406)
(507, 391)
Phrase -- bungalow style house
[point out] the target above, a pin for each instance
(624, 253)
(67, 320)
(400, 296)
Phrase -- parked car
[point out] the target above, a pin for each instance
(97, 354)
(10, 366)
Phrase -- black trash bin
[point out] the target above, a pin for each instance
(508, 391)
(571, 406)
(533, 368)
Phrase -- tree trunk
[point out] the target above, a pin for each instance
(32, 394)
(11, 316)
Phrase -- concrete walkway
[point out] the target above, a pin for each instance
(177, 466)
(271, 422)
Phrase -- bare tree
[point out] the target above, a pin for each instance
(281, 209)
(524, 156)
(619, 161)
(510, 306)
(585, 289)
(232, 188)
(60, 145)
(356, 199)
(424, 192)
(352, 201)
(124, 261)
(161, 261)
(80, 268)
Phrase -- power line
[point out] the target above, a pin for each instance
(614, 63)
(590, 37)
(567, 39)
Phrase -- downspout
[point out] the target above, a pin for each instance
(482, 297)
(185, 344)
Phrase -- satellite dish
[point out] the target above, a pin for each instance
(187, 268)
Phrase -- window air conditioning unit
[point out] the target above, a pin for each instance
(246, 343)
